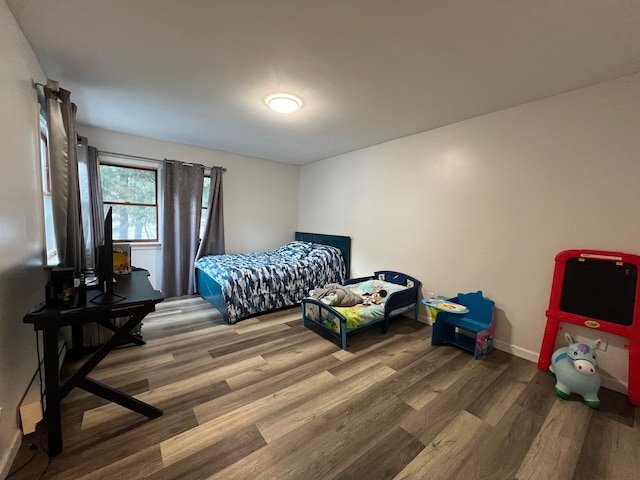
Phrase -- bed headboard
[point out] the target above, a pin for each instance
(340, 242)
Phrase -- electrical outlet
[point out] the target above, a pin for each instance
(604, 344)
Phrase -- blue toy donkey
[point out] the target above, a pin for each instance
(575, 370)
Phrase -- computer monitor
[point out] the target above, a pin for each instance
(104, 268)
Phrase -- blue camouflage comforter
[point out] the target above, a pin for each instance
(256, 282)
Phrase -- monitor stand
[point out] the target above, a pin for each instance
(107, 299)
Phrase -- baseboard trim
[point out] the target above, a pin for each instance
(517, 351)
(606, 380)
(29, 413)
(7, 460)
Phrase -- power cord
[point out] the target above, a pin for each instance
(46, 452)
(34, 448)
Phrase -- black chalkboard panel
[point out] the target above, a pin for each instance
(599, 289)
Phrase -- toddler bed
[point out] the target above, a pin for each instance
(399, 294)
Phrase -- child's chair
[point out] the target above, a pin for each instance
(472, 331)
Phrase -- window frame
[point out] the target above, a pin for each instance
(131, 165)
(45, 184)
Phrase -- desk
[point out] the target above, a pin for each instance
(466, 321)
(445, 305)
(139, 299)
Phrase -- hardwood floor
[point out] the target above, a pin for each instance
(269, 399)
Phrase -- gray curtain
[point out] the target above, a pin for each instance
(90, 200)
(182, 198)
(95, 196)
(65, 193)
(213, 237)
(93, 334)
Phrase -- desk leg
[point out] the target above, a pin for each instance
(81, 380)
(77, 343)
(127, 401)
(132, 338)
(52, 390)
(102, 352)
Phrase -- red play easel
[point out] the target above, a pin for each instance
(567, 298)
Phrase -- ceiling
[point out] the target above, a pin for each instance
(196, 71)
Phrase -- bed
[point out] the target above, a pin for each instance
(401, 294)
(245, 285)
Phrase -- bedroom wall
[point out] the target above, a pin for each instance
(260, 197)
(21, 226)
(487, 203)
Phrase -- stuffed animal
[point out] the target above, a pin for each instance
(575, 370)
(375, 298)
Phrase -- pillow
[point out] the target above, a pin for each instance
(294, 250)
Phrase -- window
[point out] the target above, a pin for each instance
(132, 192)
(51, 250)
(205, 200)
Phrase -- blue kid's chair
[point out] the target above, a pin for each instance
(472, 331)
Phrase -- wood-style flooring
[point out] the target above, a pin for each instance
(269, 399)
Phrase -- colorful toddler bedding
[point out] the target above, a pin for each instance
(359, 314)
(257, 282)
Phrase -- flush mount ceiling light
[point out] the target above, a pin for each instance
(283, 102)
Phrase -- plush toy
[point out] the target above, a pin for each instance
(575, 370)
(375, 298)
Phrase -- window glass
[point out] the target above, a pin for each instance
(205, 191)
(132, 192)
(205, 199)
(51, 250)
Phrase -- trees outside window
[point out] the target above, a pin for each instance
(133, 194)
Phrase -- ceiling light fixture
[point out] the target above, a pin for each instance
(283, 102)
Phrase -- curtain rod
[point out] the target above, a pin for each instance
(125, 155)
(53, 85)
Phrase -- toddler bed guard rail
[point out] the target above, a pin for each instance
(401, 294)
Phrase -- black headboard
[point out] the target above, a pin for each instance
(340, 242)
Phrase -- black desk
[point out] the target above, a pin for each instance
(139, 299)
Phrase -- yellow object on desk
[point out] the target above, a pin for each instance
(121, 258)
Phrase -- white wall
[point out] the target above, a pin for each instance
(260, 205)
(260, 197)
(487, 203)
(21, 226)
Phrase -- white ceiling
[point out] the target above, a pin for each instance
(196, 71)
